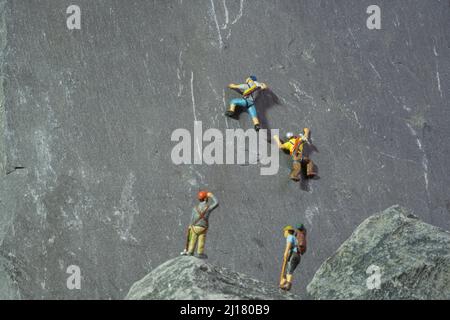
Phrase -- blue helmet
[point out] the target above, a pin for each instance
(253, 78)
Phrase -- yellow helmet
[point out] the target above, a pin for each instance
(288, 228)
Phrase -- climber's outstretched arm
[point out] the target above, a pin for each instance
(236, 87)
(264, 86)
(214, 202)
(281, 145)
(278, 141)
(285, 260)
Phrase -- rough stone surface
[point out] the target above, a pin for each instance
(89, 114)
(189, 278)
(413, 257)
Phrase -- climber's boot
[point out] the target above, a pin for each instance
(287, 286)
(231, 112)
(256, 124)
(283, 283)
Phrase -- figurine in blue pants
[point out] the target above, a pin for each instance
(250, 91)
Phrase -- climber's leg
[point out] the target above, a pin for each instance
(310, 170)
(293, 263)
(201, 241)
(296, 169)
(252, 112)
(192, 241)
(238, 102)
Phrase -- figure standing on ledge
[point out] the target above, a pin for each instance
(295, 248)
(196, 232)
(250, 91)
(295, 146)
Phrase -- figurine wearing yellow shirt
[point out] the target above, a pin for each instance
(295, 146)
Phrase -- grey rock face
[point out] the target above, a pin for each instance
(194, 279)
(89, 114)
(413, 258)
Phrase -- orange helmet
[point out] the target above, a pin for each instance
(202, 195)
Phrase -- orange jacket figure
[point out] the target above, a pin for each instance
(295, 146)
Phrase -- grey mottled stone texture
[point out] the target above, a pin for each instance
(189, 278)
(89, 114)
(413, 257)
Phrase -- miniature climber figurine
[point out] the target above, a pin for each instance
(250, 91)
(295, 248)
(196, 232)
(295, 146)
